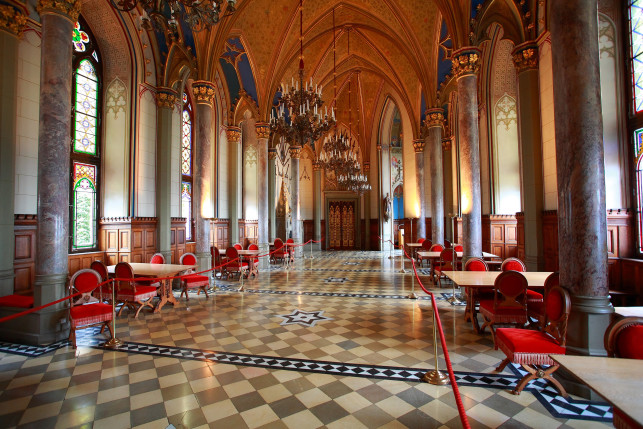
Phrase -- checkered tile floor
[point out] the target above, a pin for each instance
(229, 361)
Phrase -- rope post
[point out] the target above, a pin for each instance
(311, 250)
(113, 342)
(241, 289)
(402, 270)
(436, 376)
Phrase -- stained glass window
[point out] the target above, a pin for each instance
(85, 115)
(636, 45)
(79, 38)
(186, 146)
(186, 165)
(84, 203)
(639, 200)
(186, 208)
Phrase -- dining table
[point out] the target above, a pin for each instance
(473, 281)
(250, 255)
(434, 256)
(617, 380)
(160, 271)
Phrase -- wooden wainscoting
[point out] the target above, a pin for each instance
(457, 229)
(500, 235)
(550, 240)
(520, 230)
(178, 239)
(620, 233)
(248, 232)
(78, 261)
(309, 230)
(220, 233)
(24, 256)
(128, 239)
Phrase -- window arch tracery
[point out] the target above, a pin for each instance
(187, 182)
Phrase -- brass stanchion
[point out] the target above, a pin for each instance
(402, 270)
(311, 250)
(436, 376)
(113, 342)
(412, 295)
(454, 299)
(241, 289)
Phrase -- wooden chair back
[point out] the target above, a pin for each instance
(510, 291)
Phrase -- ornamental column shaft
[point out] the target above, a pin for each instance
(466, 63)
(234, 141)
(165, 101)
(386, 197)
(272, 185)
(449, 186)
(433, 123)
(367, 208)
(317, 204)
(204, 95)
(525, 58)
(580, 168)
(12, 22)
(418, 147)
(263, 132)
(295, 153)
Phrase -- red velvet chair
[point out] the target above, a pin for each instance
(217, 261)
(475, 294)
(458, 248)
(448, 244)
(86, 310)
(624, 338)
(279, 252)
(420, 240)
(447, 263)
(237, 246)
(476, 264)
(436, 263)
(236, 265)
(531, 349)
(133, 295)
(157, 258)
(513, 264)
(509, 303)
(426, 247)
(255, 261)
(103, 293)
(193, 281)
(536, 301)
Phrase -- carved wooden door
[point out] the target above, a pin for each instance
(341, 225)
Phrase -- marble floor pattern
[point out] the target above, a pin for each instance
(293, 351)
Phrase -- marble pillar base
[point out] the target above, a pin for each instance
(50, 287)
(6, 282)
(39, 328)
(204, 261)
(588, 321)
(264, 263)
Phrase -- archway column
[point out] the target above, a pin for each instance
(449, 186)
(418, 147)
(165, 102)
(525, 58)
(367, 207)
(580, 168)
(263, 132)
(295, 154)
(204, 95)
(317, 204)
(433, 125)
(234, 141)
(466, 64)
(272, 193)
(385, 197)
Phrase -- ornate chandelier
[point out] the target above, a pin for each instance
(355, 182)
(299, 118)
(198, 14)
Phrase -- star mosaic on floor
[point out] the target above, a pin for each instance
(336, 280)
(304, 318)
(352, 263)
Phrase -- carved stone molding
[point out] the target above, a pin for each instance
(446, 144)
(12, 20)
(418, 145)
(70, 9)
(295, 152)
(203, 92)
(466, 61)
(317, 166)
(166, 97)
(263, 130)
(434, 118)
(233, 134)
(525, 57)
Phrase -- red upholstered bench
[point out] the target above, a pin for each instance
(19, 301)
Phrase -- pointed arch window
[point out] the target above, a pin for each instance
(635, 15)
(187, 139)
(85, 145)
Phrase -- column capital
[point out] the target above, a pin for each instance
(272, 153)
(525, 57)
(12, 20)
(379, 147)
(69, 9)
(418, 145)
(233, 134)
(446, 144)
(263, 130)
(317, 166)
(434, 117)
(166, 97)
(295, 152)
(203, 92)
(367, 167)
(466, 62)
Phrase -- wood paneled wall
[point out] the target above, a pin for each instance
(620, 233)
(24, 259)
(550, 240)
(500, 235)
(248, 232)
(128, 239)
(308, 229)
(219, 228)
(178, 238)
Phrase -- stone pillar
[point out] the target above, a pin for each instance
(202, 202)
(272, 193)
(466, 63)
(52, 237)
(234, 139)
(263, 132)
(525, 58)
(433, 125)
(447, 170)
(165, 102)
(580, 168)
(367, 208)
(295, 153)
(317, 204)
(418, 147)
(385, 197)
(12, 22)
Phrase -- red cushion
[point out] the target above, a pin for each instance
(487, 304)
(527, 346)
(89, 314)
(196, 280)
(142, 292)
(535, 307)
(512, 266)
(20, 301)
(629, 343)
(475, 266)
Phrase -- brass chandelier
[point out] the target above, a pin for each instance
(299, 118)
(198, 14)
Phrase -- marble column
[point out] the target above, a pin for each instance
(317, 204)
(367, 208)
(295, 153)
(52, 237)
(272, 193)
(202, 195)
(580, 168)
(165, 102)
(525, 58)
(234, 141)
(466, 64)
(418, 147)
(433, 124)
(263, 132)
(447, 171)
(12, 22)
(385, 197)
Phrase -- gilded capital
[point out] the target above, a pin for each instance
(203, 92)
(295, 152)
(263, 130)
(317, 166)
(379, 147)
(166, 97)
(525, 57)
(12, 20)
(272, 153)
(418, 145)
(69, 9)
(446, 144)
(466, 62)
(434, 118)
(233, 134)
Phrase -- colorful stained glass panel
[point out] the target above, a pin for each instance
(186, 145)
(79, 38)
(186, 208)
(636, 35)
(85, 206)
(638, 142)
(85, 109)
